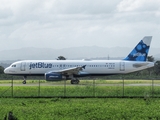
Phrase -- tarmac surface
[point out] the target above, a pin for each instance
(63, 84)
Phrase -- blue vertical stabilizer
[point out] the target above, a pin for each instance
(140, 52)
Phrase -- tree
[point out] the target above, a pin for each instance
(61, 58)
(150, 58)
(157, 67)
(1, 70)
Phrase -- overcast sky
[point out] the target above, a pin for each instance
(72, 23)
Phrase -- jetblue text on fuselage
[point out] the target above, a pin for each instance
(40, 65)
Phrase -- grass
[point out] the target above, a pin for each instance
(98, 81)
(79, 91)
(80, 109)
(86, 88)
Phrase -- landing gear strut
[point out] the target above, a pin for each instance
(24, 79)
(74, 81)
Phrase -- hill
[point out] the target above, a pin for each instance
(70, 53)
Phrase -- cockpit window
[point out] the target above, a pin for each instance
(13, 66)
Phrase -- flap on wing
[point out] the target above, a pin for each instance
(69, 71)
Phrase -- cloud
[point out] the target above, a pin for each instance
(70, 23)
(138, 5)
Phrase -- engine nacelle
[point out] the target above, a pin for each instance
(52, 76)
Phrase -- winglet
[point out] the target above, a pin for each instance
(140, 52)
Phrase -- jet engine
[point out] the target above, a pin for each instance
(52, 76)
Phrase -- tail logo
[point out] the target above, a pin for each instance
(140, 52)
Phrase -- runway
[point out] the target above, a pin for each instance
(57, 84)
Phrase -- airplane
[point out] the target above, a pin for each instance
(55, 70)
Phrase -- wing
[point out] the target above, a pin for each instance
(70, 71)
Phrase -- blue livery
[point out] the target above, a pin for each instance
(140, 52)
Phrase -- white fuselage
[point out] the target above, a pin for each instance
(92, 67)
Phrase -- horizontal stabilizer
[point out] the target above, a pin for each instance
(136, 65)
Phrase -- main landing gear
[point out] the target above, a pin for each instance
(75, 81)
(24, 79)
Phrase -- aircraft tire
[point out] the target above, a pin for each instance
(71, 81)
(24, 82)
(74, 81)
(77, 81)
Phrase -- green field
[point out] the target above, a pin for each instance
(86, 88)
(60, 107)
(81, 109)
(99, 81)
(79, 91)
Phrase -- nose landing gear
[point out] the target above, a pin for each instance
(24, 79)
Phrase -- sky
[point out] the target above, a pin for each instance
(61, 24)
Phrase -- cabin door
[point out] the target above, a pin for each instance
(122, 66)
(23, 66)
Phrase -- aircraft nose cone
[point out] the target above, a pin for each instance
(6, 71)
